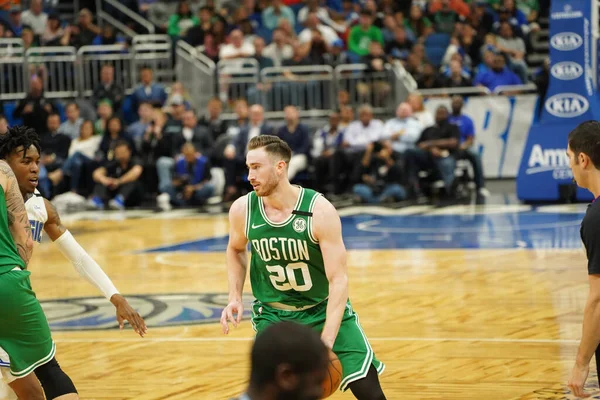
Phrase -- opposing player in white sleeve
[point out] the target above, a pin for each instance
(20, 148)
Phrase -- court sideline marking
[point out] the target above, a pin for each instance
(376, 339)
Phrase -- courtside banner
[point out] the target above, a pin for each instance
(571, 91)
(571, 99)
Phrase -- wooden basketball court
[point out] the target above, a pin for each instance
(452, 321)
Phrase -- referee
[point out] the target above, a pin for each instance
(584, 160)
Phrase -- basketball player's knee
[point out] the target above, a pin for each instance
(54, 380)
(27, 388)
(368, 388)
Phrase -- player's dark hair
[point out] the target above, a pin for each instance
(18, 136)
(289, 343)
(272, 145)
(585, 138)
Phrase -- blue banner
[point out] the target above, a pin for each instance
(571, 99)
(571, 93)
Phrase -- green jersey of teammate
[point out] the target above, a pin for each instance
(286, 265)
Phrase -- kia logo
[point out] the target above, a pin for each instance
(567, 105)
(566, 41)
(566, 70)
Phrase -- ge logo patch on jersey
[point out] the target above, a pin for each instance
(172, 309)
(299, 225)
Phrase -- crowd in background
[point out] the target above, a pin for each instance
(186, 156)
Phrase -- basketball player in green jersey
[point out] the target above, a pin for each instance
(20, 148)
(298, 264)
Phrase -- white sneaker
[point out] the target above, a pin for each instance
(163, 201)
(483, 192)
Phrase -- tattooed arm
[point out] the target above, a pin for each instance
(18, 222)
(53, 226)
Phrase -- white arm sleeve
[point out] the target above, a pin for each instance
(84, 264)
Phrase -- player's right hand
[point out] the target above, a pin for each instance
(234, 307)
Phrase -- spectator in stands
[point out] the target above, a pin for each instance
(377, 83)
(105, 112)
(515, 17)
(288, 29)
(357, 137)
(488, 55)
(379, 176)
(467, 143)
(371, 7)
(423, 115)
(312, 6)
(297, 136)
(81, 155)
(458, 6)
(117, 181)
(389, 25)
(15, 22)
(337, 55)
(481, 18)
(3, 125)
(317, 49)
(196, 134)
(181, 21)
(259, 54)
(400, 46)
(234, 162)
(71, 127)
(178, 91)
(241, 111)
(346, 117)
(429, 78)
(53, 32)
(457, 78)
(499, 75)
(435, 149)
(35, 17)
(445, 18)
(236, 49)
(213, 120)
(275, 12)
(28, 38)
(191, 180)
(362, 35)
(327, 142)
(279, 50)
(137, 130)
(107, 37)
(148, 90)
(114, 134)
(312, 23)
(195, 35)
(349, 13)
(108, 89)
(419, 24)
(514, 48)
(403, 131)
(35, 108)
(529, 8)
(83, 33)
(457, 56)
(154, 146)
(55, 145)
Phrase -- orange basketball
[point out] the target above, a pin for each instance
(334, 376)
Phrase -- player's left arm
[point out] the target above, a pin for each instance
(85, 265)
(327, 229)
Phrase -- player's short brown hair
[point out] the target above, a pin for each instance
(272, 145)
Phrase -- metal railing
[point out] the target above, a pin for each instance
(114, 13)
(12, 69)
(236, 79)
(197, 72)
(472, 90)
(156, 52)
(310, 88)
(521, 89)
(90, 60)
(57, 66)
(363, 86)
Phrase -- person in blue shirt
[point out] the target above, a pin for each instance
(297, 136)
(499, 75)
(191, 178)
(467, 140)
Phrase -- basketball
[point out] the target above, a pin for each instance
(334, 376)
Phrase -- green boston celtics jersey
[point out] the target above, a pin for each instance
(286, 263)
(9, 257)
